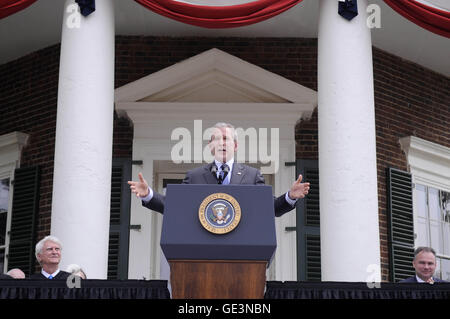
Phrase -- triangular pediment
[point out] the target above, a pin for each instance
(214, 86)
(215, 76)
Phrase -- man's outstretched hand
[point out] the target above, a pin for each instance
(298, 189)
(139, 188)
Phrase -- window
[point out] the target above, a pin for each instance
(429, 164)
(11, 145)
(4, 209)
(432, 218)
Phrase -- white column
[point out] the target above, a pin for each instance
(350, 243)
(84, 128)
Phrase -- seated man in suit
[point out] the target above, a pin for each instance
(425, 265)
(224, 170)
(48, 254)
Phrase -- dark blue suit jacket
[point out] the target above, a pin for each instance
(241, 174)
(413, 279)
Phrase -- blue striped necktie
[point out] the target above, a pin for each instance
(50, 277)
(223, 174)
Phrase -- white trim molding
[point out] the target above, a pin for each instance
(11, 146)
(428, 162)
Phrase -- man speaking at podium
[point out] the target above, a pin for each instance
(224, 170)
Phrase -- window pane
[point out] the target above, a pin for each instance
(4, 202)
(445, 269)
(437, 272)
(2, 260)
(4, 195)
(446, 206)
(435, 220)
(3, 217)
(446, 238)
(445, 203)
(421, 200)
(422, 233)
(170, 181)
(433, 202)
(436, 238)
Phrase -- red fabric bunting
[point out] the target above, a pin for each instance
(432, 19)
(219, 16)
(8, 7)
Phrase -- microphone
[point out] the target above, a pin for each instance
(223, 174)
(214, 172)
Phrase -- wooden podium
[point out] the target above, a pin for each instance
(217, 279)
(206, 265)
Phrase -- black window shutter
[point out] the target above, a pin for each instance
(119, 219)
(25, 208)
(308, 224)
(400, 223)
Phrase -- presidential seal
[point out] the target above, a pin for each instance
(219, 213)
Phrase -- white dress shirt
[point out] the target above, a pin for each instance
(46, 274)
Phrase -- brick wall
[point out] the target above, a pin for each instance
(294, 59)
(409, 100)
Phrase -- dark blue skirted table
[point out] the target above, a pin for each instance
(354, 290)
(89, 289)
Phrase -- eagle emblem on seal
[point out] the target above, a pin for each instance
(219, 213)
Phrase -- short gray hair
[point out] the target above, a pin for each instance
(227, 125)
(424, 249)
(41, 243)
